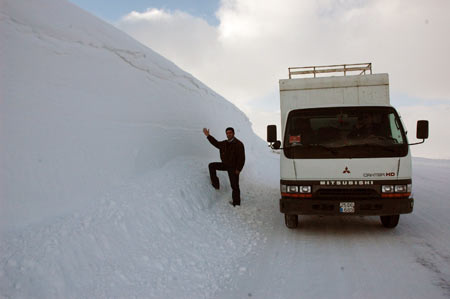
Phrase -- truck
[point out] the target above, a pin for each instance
(344, 148)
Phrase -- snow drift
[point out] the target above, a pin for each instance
(85, 107)
(103, 163)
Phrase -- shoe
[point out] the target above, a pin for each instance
(234, 204)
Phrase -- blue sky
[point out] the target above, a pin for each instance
(112, 10)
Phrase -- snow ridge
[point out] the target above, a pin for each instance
(103, 168)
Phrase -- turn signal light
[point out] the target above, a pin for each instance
(298, 195)
(395, 195)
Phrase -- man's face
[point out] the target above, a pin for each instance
(230, 134)
(360, 123)
(364, 121)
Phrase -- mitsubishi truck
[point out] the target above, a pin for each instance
(344, 148)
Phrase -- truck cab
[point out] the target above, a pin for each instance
(344, 149)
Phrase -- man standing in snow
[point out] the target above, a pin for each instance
(232, 154)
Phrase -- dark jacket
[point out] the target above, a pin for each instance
(232, 153)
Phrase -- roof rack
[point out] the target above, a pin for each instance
(320, 69)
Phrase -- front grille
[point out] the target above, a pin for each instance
(339, 193)
(370, 207)
(322, 207)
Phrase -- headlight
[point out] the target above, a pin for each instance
(292, 189)
(295, 189)
(305, 189)
(396, 188)
(400, 188)
(387, 189)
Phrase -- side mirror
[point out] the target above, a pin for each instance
(272, 137)
(422, 129)
(271, 133)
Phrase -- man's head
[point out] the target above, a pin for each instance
(230, 133)
(364, 121)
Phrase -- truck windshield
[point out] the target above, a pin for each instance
(344, 132)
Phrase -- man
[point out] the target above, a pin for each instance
(363, 128)
(232, 154)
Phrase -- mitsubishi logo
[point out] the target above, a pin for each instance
(346, 170)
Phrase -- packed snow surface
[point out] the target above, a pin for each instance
(104, 190)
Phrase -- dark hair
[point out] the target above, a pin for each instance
(229, 129)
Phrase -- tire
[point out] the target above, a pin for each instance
(390, 221)
(290, 220)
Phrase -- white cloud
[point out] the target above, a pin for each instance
(256, 41)
(149, 15)
(180, 37)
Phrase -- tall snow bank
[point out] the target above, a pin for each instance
(84, 107)
(104, 188)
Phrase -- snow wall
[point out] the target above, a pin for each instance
(85, 107)
(104, 187)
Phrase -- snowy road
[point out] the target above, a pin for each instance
(353, 257)
(189, 242)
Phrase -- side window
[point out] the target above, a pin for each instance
(396, 134)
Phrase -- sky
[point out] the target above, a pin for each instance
(241, 48)
(113, 10)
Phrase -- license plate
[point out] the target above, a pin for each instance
(347, 207)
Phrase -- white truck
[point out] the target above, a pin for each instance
(344, 149)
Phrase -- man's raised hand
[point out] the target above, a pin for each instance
(206, 131)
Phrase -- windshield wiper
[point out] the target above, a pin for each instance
(333, 151)
(373, 145)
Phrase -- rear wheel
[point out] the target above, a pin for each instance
(390, 221)
(290, 220)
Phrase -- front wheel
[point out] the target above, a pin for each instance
(390, 221)
(290, 220)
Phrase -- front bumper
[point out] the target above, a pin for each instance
(311, 206)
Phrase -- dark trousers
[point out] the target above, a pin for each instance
(234, 179)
